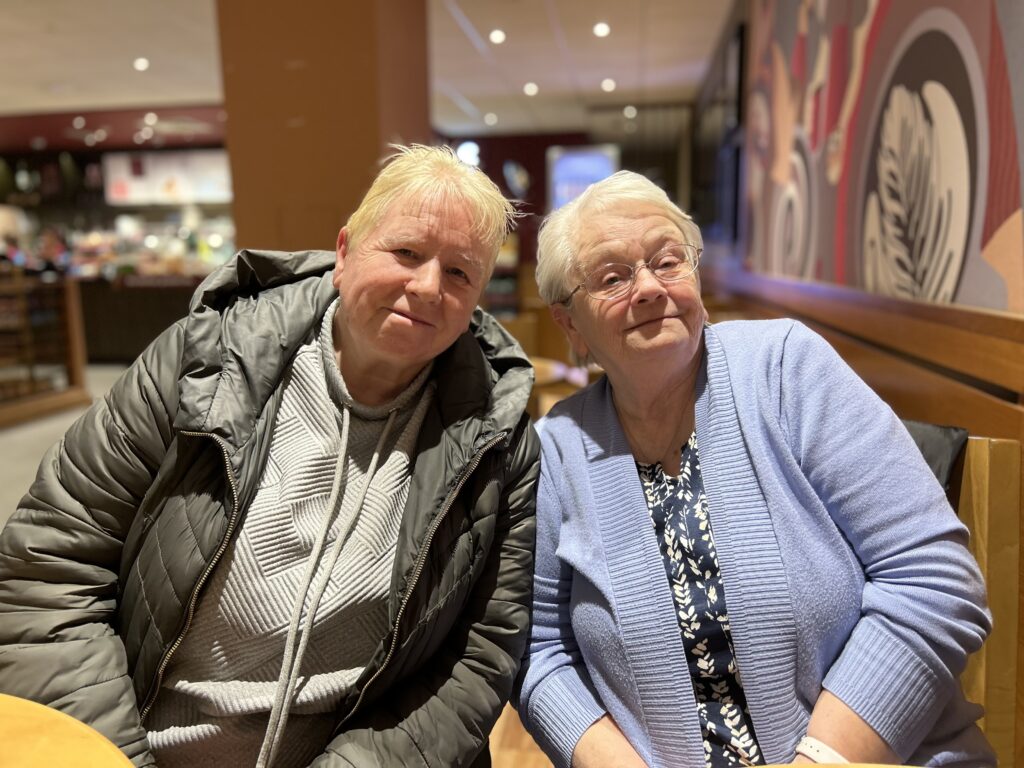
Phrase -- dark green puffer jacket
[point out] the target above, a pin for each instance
(103, 563)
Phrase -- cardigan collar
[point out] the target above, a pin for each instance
(761, 616)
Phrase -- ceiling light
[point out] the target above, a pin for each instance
(497, 36)
(601, 29)
(215, 240)
(138, 138)
(531, 89)
(607, 85)
(151, 241)
(491, 119)
(141, 64)
(100, 134)
(78, 123)
(146, 133)
(629, 111)
(89, 140)
(150, 118)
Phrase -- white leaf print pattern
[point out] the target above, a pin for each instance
(680, 515)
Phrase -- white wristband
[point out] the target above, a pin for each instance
(819, 752)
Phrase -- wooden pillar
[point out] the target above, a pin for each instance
(314, 92)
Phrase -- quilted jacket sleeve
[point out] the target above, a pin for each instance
(60, 553)
(442, 716)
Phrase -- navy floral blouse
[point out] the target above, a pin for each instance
(679, 511)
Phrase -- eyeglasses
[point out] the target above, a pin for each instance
(610, 281)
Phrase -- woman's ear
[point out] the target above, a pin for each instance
(340, 252)
(563, 317)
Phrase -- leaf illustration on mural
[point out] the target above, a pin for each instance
(917, 218)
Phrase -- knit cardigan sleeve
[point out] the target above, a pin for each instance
(555, 697)
(923, 609)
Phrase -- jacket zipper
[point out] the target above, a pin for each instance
(232, 521)
(420, 562)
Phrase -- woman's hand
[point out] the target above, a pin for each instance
(604, 746)
(838, 726)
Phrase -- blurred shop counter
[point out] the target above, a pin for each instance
(122, 316)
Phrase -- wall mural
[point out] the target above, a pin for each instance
(883, 151)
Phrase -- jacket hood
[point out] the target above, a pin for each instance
(249, 317)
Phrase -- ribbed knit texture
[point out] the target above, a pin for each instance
(220, 685)
(844, 567)
(748, 546)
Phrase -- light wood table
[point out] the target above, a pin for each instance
(35, 736)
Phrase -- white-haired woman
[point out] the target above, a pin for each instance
(742, 557)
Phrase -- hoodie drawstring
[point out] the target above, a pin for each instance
(292, 661)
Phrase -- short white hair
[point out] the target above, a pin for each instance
(558, 242)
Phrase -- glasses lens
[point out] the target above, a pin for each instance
(609, 281)
(674, 263)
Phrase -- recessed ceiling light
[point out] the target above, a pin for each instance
(89, 140)
(601, 29)
(531, 89)
(141, 64)
(607, 85)
(629, 111)
(78, 123)
(491, 119)
(146, 133)
(138, 138)
(150, 118)
(100, 134)
(497, 36)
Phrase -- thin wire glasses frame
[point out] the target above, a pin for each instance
(611, 281)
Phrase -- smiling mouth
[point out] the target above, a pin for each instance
(413, 318)
(651, 322)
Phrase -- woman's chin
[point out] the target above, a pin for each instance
(665, 336)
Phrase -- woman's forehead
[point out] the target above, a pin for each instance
(621, 227)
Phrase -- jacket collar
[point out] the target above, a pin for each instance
(249, 318)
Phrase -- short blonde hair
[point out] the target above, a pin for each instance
(558, 242)
(435, 173)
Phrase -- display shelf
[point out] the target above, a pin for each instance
(42, 354)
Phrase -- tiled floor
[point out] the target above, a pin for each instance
(22, 447)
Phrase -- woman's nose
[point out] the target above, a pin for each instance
(645, 284)
(426, 281)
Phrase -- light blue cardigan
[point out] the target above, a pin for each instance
(843, 565)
